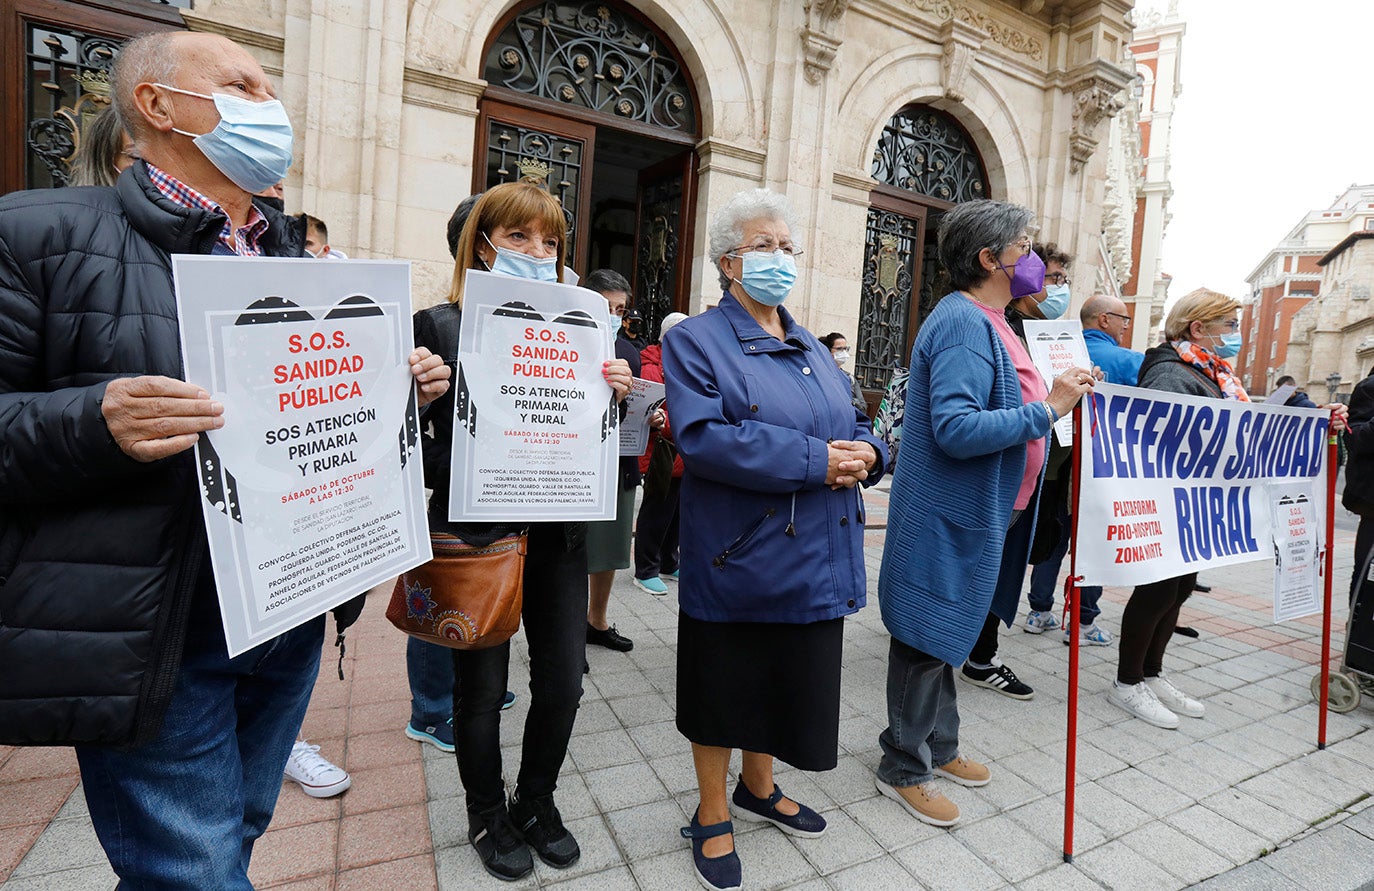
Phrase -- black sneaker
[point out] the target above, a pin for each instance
(998, 677)
(610, 639)
(499, 846)
(542, 827)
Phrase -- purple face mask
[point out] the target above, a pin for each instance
(1027, 277)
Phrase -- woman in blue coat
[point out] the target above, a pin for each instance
(972, 452)
(771, 533)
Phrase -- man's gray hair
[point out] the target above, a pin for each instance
(727, 226)
(968, 228)
(149, 58)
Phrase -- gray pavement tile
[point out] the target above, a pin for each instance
(942, 863)
(1270, 823)
(1106, 809)
(851, 780)
(1091, 762)
(1035, 767)
(1336, 790)
(889, 824)
(881, 874)
(1121, 868)
(1228, 838)
(672, 869)
(1362, 822)
(1253, 876)
(75, 806)
(606, 748)
(1014, 852)
(1242, 744)
(1176, 853)
(625, 785)
(649, 829)
(599, 852)
(1064, 877)
(643, 708)
(770, 860)
(64, 845)
(1333, 859)
(460, 869)
(1006, 790)
(844, 843)
(618, 878)
(996, 739)
(609, 686)
(1131, 740)
(659, 739)
(859, 734)
(676, 772)
(1185, 771)
(448, 822)
(1146, 792)
(1351, 771)
(85, 878)
(593, 716)
(573, 798)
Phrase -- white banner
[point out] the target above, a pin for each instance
(1055, 347)
(313, 490)
(535, 435)
(1175, 484)
(645, 397)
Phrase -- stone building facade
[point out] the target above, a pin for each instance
(873, 116)
(1333, 334)
(1287, 279)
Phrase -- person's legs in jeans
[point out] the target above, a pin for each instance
(1088, 598)
(985, 648)
(922, 717)
(430, 669)
(184, 810)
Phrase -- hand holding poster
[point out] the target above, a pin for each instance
(1055, 347)
(1172, 484)
(310, 491)
(645, 398)
(535, 434)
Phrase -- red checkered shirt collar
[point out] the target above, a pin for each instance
(176, 191)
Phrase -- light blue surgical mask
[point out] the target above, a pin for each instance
(1056, 301)
(1230, 346)
(509, 262)
(251, 144)
(768, 277)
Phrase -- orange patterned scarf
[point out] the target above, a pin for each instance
(1212, 365)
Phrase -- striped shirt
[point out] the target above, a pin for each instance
(243, 241)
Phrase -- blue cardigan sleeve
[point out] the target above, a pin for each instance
(746, 454)
(964, 427)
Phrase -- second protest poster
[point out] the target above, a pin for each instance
(536, 427)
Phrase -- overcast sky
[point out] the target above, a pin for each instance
(1275, 119)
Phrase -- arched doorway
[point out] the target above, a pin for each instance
(925, 163)
(592, 101)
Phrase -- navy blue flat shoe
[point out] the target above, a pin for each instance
(714, 873)
(805, 823)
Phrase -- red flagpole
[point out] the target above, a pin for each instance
(1071, 604)
(1329, 563)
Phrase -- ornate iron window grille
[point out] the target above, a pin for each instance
(550, 162)
(596, 56)
(660, 229)
(925, 151)
(889, 257)
(67, 75)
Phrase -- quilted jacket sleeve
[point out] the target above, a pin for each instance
(54, 443)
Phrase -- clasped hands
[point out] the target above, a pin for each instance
(849, 463)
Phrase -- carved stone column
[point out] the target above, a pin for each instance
(820, 37)
(1097, 95)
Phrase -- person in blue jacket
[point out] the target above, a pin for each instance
(972, 452)
(771, 533)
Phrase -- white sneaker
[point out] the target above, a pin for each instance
(1038, 622)
(1173, 698)
(1092, 636)
(317, 777)
(1140, 701)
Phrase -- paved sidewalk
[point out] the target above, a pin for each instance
(1157, 809)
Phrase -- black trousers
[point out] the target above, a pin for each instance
(985, 648)
(555, 621)
(1364, 541)
(656, 534)
(1147, 624)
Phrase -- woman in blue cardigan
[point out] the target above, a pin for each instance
(771, 534)
(972, 452)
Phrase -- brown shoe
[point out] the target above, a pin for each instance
(965, 772)
(924, 802)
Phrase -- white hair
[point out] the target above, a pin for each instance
(669, 321)
(149, 58)
(727, 226)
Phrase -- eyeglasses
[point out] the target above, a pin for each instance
(1232, 325)
(1057, 278)
(1024, 243)
(767, 247)
(1116, 315)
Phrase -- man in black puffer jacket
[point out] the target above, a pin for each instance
(110, 631)
(1358, 496)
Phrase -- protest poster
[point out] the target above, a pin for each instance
(535, 434)
(1172, 484)
(1056, 346)
(1297, 550)
(313, 490)
(644, 399)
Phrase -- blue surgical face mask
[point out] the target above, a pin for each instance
(1230, 346)
(509, 262)
(768, 278)
(1056, 301)
(251, 144)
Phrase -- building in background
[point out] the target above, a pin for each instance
(1156, 48)
(873, 116)
(1331, 347)
(1286, 280)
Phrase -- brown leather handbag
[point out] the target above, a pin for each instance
(467, 597)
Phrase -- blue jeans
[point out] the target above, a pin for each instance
(922, 717)
(184, 810)
(430, 669)
(1044, 577)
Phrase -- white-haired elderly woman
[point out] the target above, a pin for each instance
(771, 533)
